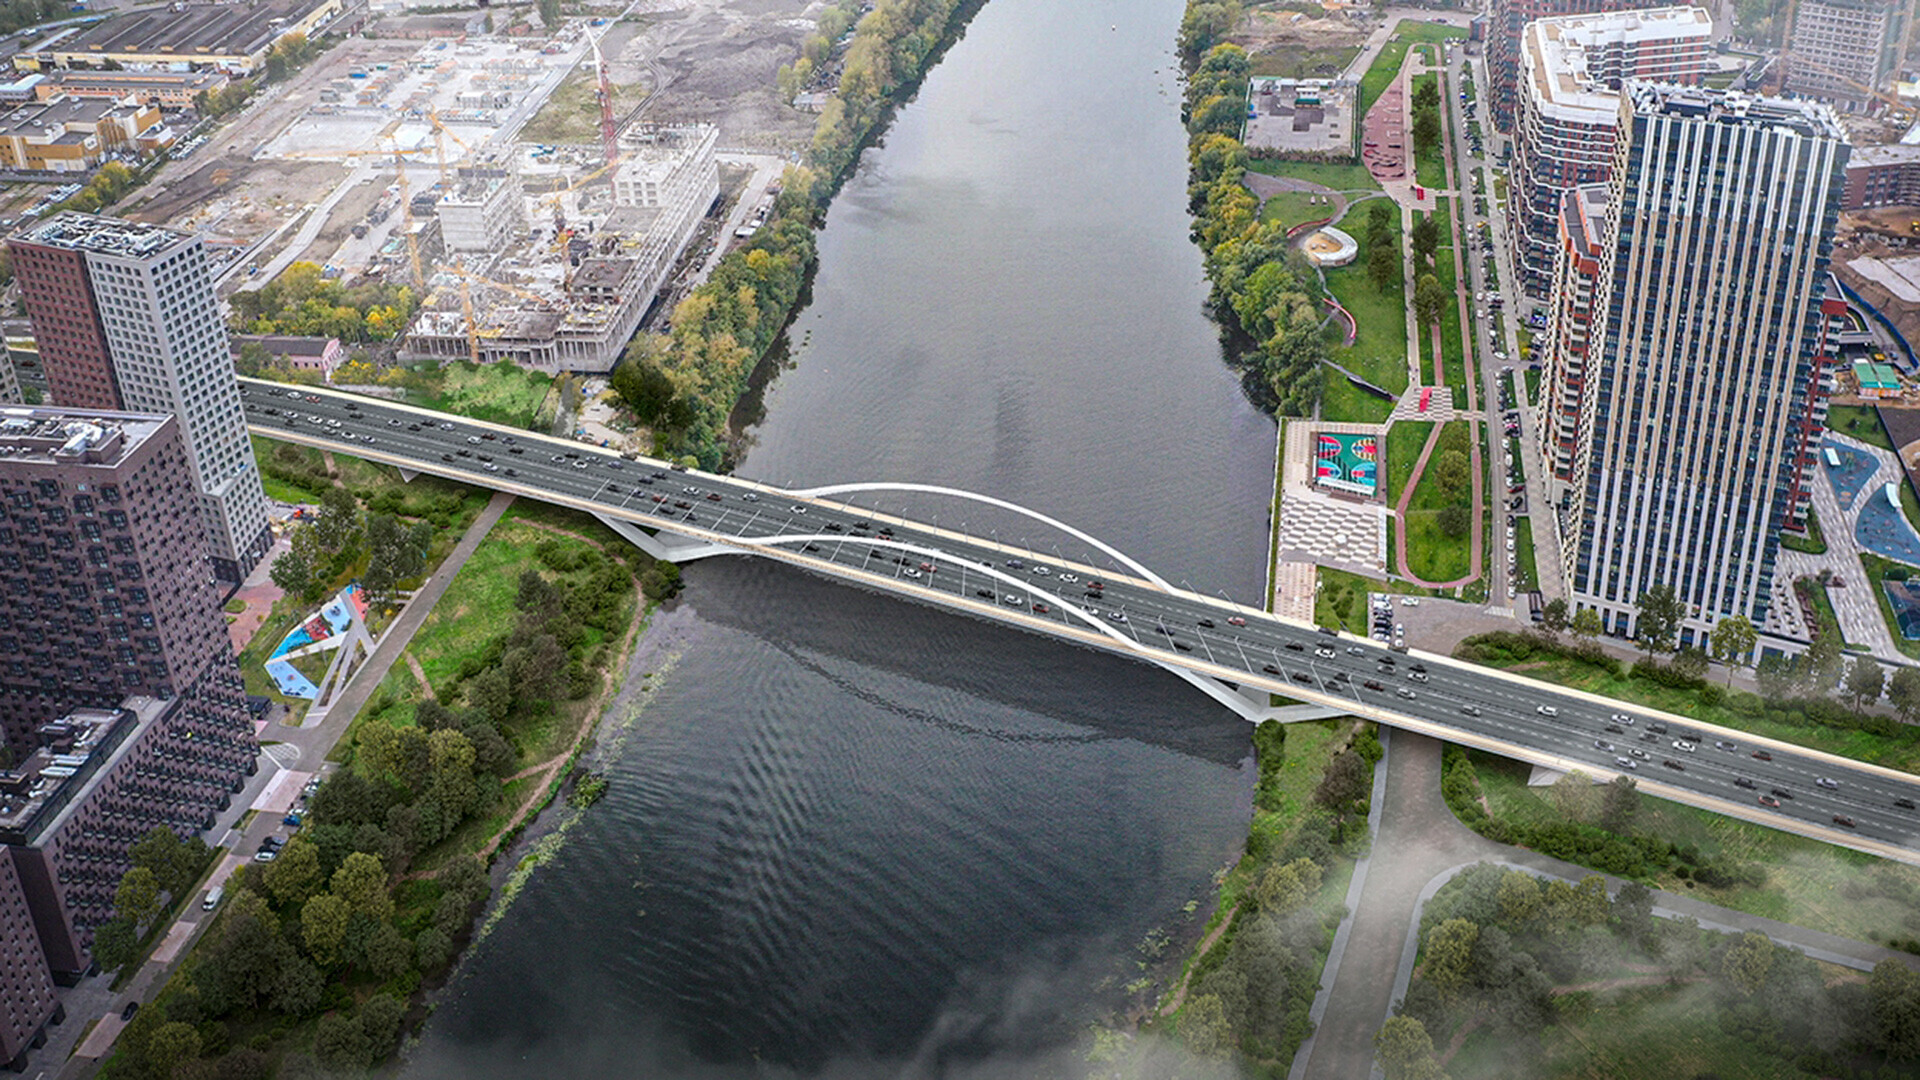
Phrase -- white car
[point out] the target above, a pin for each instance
(1409, 601)
(1684, 746)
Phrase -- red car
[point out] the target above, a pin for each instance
(1762, 755)
(1768, 800)
(1236, 621)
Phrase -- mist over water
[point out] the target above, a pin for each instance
(848, 836)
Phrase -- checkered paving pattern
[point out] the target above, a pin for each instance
(1318, 529)
(1439, 407)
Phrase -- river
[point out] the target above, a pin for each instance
(849, 836)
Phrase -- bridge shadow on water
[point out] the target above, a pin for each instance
(1102, 695)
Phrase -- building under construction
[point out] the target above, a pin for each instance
(568, 297)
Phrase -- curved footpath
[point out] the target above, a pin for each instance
(1418, 847)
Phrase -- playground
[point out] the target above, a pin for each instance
(1349, 463)
(339, 622)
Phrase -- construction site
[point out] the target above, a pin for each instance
(440, 164)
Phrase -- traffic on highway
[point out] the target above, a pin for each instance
(1861, 806)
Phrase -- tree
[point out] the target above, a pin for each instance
(550, 14)
(1450, 955)
(293, 877)
(389, 953)
(1454, 521)
(380, 1020)
(1426, 93)
(115, 942)
(337, 527)
(1553, 617)
(1748, 962)
(431, 949)
(1379, 219)
(1903, 690)
(1732, 642)
(1893, 1001)
(1425, 236)
(361, 881)
(171, 1045)
(1426, 128)
(1865, 681)
(1825, 660)
(1429, 299)
(1204, 1027)
(1573, 796)
(1452, 471)
(1659, 613)
(1633, 911)
(1405, 1050)
(1619, 805)
(1345, 782)
(1586, 624)
(340, 1040)
(293, 570)
(1690, 662)
(1519, 896)
(138, 897)
(1383, 267)
(323, 925)
(1777, 675)
(1286, 888)
(175, 862)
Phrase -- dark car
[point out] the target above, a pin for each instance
(127, 1013)
(1781, 793)
(1303, 677)
(1470, 710)
(1294, 646)
(1741, 781)
(1206, 624)
(1373, 684)
(1843, 820)
(1674, 765)
(987, 593)
(1762, 755)
(1269, 669)
(1616, 729)
(1904, 804)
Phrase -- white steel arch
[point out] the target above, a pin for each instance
(934, 489)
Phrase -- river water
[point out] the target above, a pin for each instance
(848, 836)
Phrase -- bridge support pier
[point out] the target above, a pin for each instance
(665, 546)
(407, 475)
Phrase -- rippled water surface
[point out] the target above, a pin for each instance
(848, 836)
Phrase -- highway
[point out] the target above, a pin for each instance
(1131, 614)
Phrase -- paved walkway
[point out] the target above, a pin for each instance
(1853, 602)
(1419, 845)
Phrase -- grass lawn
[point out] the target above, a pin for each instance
(1335, 177)
(501, 393)
(1533, 387)
(1861, 422)
(1429, 164)
(1300, 62)
(1453, 354)
(1812, 542)
(1909, 505)
(1527, 578)
(1431, 554)
(1876, 568)
(1404, 440)
(1379, 350)
(1291, 208)
(1807, 883)
(1822, 605)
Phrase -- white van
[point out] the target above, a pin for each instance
(213, 898)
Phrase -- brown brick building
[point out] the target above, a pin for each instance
(27, 1004)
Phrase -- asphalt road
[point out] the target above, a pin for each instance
(1127, 613)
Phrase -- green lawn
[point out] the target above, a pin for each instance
(1342, 601)
(1527, 577)
(1379, 350)
(1431, 554)
(1861, 422)
(1291, 208)
(1822, 606)
(1429, 163)
(1807, 883)
(1387, 64)
(1404, 440)
(1334, 177)
(1533, 387)
(1453, 354)
(1812, 542)
(1301, 62)
(501, 393)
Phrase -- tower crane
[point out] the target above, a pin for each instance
(608, 136)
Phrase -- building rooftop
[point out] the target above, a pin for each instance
(1733, 107)
(1898, 154)
(196, 31)
(50, 435)
(108, 236)
(74, 752)
(1556, 51)
(1585, 211)
(36, 117)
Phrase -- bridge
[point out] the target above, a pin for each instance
(1238, 656)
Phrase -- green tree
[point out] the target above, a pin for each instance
(550, 16)
(1429, 299)
(1425, 237)
(1690, 662)
(1658, 623)
(1777, 675)
(1383, 267)
(361, 881)
(1405, 1050)
(1865, 681)
(1903, 690)
(1825, 659)
(1450, 955)
(337, 527)
(1426, 129)
(138, 896)
(1586, 624)
(1519, 897)
(380, 1020)
(1204, 1027)
(175, 862)
(1454, 521)
(1344, 783)
(1553, 617)
(1379, 219)
(1618, 807)
(115, 942)
(1426, 93)
(340, 1040)
(1633, 912)
(293, 570)
(432, 949)
(1893, 1002)
(293, 877)
(389, 953)
(172, 1045)
(1204, 26)
(324, 920)
(1748, 962)
(1287, 888)
(1732, 642)
(1452, 471)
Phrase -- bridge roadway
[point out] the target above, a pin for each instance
(1134, 614)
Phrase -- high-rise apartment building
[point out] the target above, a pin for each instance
(27, 1003)
(103, 571)
(1698, 397)
(97, 781)
(125, 318)
(1840, 50)
(1572, 68)
(1566, 391)
(1505, 23)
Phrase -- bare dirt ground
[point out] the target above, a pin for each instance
(1291, 44)
(714, 60)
